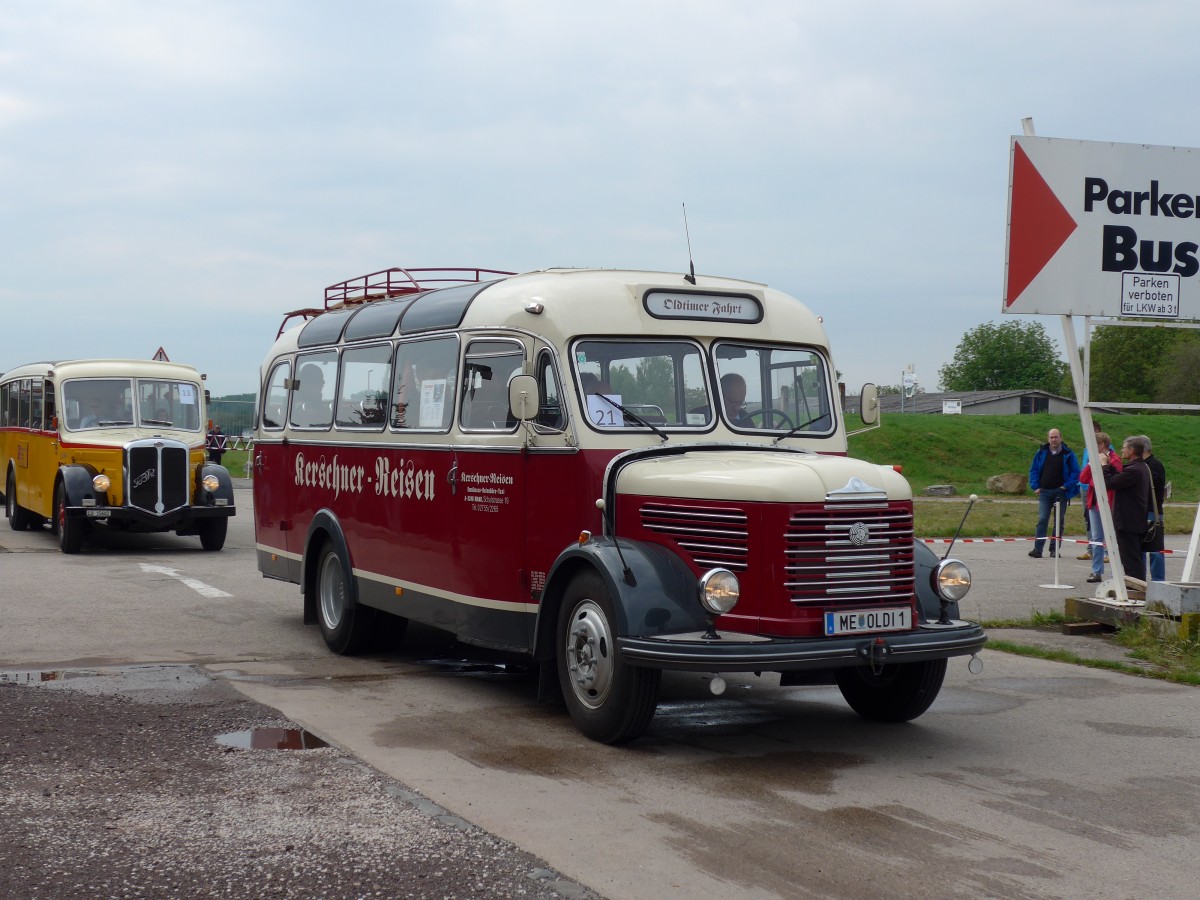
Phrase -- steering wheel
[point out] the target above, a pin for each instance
(759, 418)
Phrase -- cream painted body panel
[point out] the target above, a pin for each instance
(756, 476)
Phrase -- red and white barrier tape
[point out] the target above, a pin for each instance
(1012, 540)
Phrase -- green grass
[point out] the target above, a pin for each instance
(967, 450)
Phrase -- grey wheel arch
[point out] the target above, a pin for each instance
(324, 527)
(661, 600)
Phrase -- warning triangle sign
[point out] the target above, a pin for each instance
(1039, 226)
(160, 355)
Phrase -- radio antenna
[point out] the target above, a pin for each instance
(691, 278)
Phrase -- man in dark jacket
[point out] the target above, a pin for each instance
(1054, 477)
(1157, 564)
(1131, 505)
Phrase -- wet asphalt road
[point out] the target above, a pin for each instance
(1033, 779)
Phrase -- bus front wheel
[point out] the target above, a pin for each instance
(68, 530)
(212, 533)
(345, 625)
(893, 693)
(609, 700)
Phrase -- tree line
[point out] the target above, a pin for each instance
(1128, 364)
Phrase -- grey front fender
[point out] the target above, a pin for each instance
(661, 599)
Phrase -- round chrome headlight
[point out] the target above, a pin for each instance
(952, 579)
(101, 483)
(719, 591)
(211, 483)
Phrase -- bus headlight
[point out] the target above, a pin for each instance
(101, 483)
(952, 579)
(210, 483)
(719, 591)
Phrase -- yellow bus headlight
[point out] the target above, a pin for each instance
(101, 483)
(211, 483)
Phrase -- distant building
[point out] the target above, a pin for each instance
(981, 403)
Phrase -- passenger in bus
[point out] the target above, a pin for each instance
(95, 412)
(310, 406)
(733, 391)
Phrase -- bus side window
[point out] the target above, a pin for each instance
(550, 413)
(487, 368)
(363, 392)
(275, 407)
(312, 399)
(425, 374)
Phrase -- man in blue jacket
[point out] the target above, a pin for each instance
(1054, 477)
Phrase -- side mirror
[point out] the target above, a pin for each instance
(868, 409)
(523, 399)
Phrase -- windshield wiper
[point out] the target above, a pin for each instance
(104, 423)
(638, 420)
(802, 425)
(164, 422)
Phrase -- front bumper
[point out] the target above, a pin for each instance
(732, 652)
(132, 518)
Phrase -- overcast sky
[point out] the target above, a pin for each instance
(179, 174)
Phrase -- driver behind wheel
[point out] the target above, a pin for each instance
(733, 393)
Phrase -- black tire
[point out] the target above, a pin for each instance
(896, 693)
(345, 626)
(609, 700)
(19, 518)
(212, 533)
(69, 531)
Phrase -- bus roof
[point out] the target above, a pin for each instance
(104, 368)
(560, 304)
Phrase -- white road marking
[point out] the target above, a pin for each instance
(204, 590)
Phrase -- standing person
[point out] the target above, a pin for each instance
(1083, 496)
(216, 444)
(1131, 506)
(1158, 478)
(1111, 463)
(1054, 477)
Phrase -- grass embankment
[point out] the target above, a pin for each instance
(965, 451)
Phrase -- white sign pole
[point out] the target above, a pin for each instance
(1080, 382)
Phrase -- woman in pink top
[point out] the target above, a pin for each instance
(1111, 463)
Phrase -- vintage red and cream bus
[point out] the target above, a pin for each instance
(114, 444)
(613, 473)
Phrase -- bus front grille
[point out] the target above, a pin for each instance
(712, 536)
(849, 553)
(157, 476)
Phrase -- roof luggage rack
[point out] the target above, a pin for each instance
(393, 282)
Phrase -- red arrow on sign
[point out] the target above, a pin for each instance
(1040, 225)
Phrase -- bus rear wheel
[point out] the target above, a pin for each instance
(69, 531)
(19, 518)
(893, 693)
(609, 700)
(345, 625)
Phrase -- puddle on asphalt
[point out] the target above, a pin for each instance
(272, 739)
(474, 667)
(37, 677)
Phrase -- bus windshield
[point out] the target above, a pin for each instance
(773, 388)
(111, 402)
(649, 383)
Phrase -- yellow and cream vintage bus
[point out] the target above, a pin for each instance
(110, 444)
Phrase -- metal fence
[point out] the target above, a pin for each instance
(236, 418)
